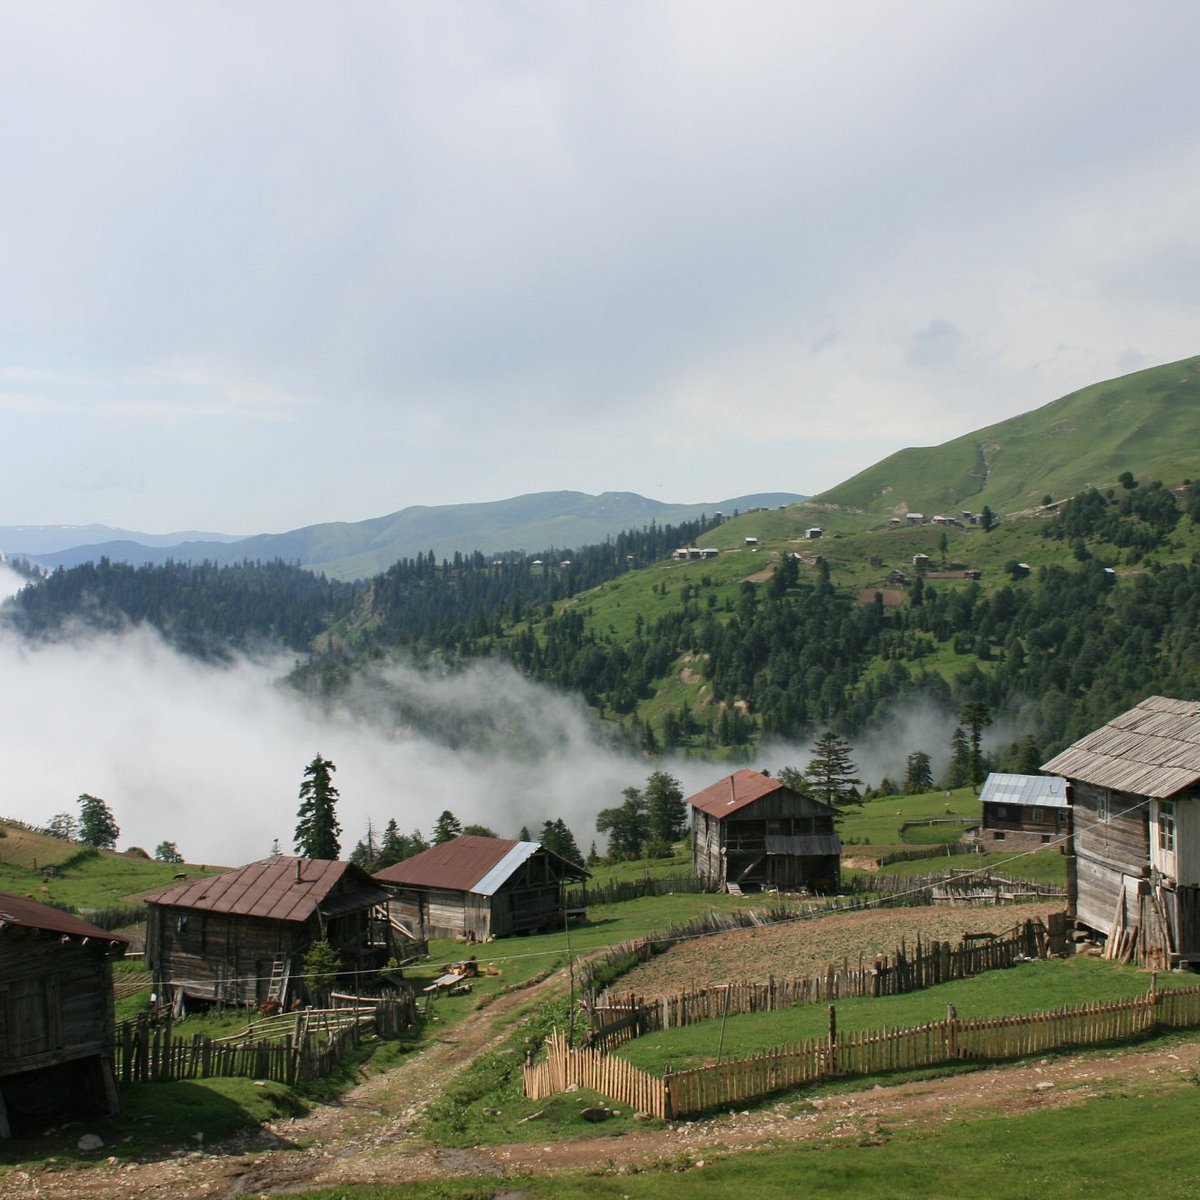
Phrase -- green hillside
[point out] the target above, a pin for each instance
(1147, 422)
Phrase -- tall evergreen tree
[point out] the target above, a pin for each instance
(97, 825)
(666, 813)
(918, 774)
(958, 770)
(558, 838)
(446, 827)
(317, 827)
(975, 716)
(830, 773)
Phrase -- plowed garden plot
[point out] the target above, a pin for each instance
(800, 948)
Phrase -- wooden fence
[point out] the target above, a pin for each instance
(920, 890)
(635, 889)
(678, 1093)
(615, 1021)
(289, 1048)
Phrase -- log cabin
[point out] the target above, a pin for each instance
(56, 1016)
(240, 937)
(479, 887)
(1024, 812)
(1133, 863)
(749, 830)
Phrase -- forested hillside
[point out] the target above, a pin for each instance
(810, 617)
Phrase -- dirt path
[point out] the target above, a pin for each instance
(371, 1136)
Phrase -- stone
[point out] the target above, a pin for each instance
(595, 1113)
(89, 1141)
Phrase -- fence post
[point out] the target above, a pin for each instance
(832, 1040)
(952, 1030)
(668, 1105)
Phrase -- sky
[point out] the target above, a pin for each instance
(274, 264)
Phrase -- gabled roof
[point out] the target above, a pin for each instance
(735, 791)
(481, 865)
(1044, 791)
(29, 914)
(1151, 750)
(280, 888)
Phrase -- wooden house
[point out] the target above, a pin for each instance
(1024, 812)
(240, 937)
(749, 830)
(479, 887)
(56, 1016)
(1133, 867)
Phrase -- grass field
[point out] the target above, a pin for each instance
(1029, 987)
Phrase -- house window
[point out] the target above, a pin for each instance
(1166, 826)
(1035, 814)
(1103, 806)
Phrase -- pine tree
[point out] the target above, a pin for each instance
(666, 813)
(830, 772)
(975, 716)
(958, 772)
(97, 826)
(559, 839)
(317, 827)
(918, 775)
(446, 828)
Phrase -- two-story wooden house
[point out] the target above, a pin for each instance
(749, 830)
(1133, 876)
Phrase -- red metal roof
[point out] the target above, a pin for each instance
(280, 888)
(735, 791)
(457, 865)
(18, 910)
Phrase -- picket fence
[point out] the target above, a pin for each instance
(288, 1049)
(615, 1021)
(678, 1093)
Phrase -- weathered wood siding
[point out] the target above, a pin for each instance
(55, 1001)
(1110, 853)
(218, 956)
(750, 845)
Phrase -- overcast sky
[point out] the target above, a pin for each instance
(269, 264)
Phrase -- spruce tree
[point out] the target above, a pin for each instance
(446, 827)
(830, 774)
(918, 775)
(317, 827)
(666, 812)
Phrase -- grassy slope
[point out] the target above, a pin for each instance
(1147, 420)
(107, 879)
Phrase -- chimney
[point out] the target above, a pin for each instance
(298, 862)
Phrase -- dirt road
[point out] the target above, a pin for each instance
(372, 1134)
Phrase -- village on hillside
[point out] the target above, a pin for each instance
(316, 953)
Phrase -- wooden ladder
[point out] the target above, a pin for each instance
(277, 988)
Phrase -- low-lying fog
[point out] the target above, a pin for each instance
(211, 756)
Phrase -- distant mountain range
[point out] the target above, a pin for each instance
(358, 550)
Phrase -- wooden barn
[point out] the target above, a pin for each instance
(56, 1016)
(479, 887)
(1025, 812)
(1133, 873)
(749, 830)
(240, 937)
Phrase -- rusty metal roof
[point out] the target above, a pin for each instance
(29, 914)
(281, 888)
(1151, 750)
(470, 864)
(735, 791)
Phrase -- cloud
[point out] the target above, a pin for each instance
(211, 757)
